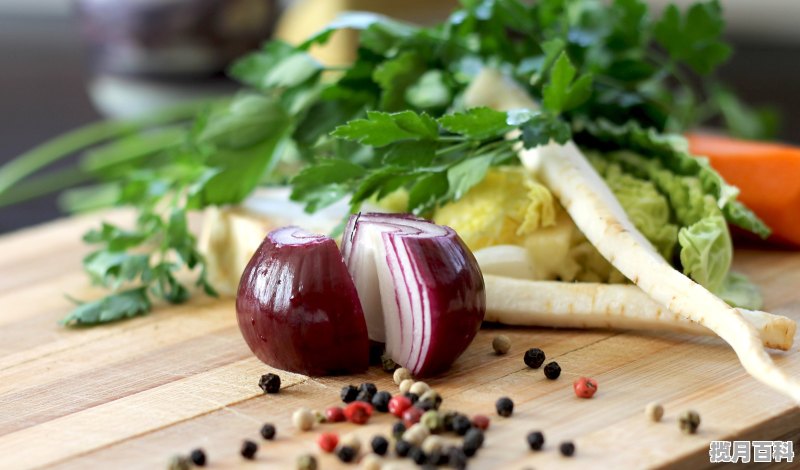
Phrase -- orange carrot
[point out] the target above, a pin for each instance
(768, 175)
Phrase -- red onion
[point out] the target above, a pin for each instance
(420, 287)
(298, 309)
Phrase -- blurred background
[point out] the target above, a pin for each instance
(66, 63)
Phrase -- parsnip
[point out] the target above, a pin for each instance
(523, 302)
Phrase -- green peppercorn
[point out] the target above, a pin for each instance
(270, 383)
(552, 370)
(179, 462)
(249, 449)
(534, 358)
(387, 364)
(504, 406)
(268, 431)
(306, 462)
(689, 421)
(567, 449)
(432, 420)
(198, 457)
(379, 445)
(501, 344)
(535, 440)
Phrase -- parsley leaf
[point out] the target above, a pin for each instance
(562, 93)
(111, 308)
(476, 123)
(695, 37)
(381, 129)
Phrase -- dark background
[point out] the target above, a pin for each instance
(43, 76)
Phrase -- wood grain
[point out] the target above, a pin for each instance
(132, 394)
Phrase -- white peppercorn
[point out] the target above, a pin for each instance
(303, 419)
(419, 388)
(432, 444)
(501, 344)
(405, 386)
(350, 440)
(654, 411)
(416, 434)
(400, 375)
(371, 462)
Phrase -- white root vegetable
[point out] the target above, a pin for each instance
(523, 302)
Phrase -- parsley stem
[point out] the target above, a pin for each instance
(453, 148)
(45, 184)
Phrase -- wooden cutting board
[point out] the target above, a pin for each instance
(132, 394)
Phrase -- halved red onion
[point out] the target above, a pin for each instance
(420, 287)
(298, 309)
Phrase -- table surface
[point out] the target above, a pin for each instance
(132, 394)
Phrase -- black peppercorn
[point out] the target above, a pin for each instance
(567, 449)
(461, 424)
(552, 370)
(447, 420)
(437, 458)
(380, 445)
(535, 440)
(425, 405)
(398, 429)
(417, 455)
(381, 401)
(270, 383)
(505, 407)
(365, 396)
(198, 457)
(346, 454)
(401, 448)
(349, 393)
(268, 431)
(369, 387)
(534, 358)
(474, 436)
(412, 396)
(249, 449)
(457, 458)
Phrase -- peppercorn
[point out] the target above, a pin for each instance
(433, 397)
(398, 428)
(400, 375)
(552, 370)
(268, 431)
(584, 387)
(306, 462)
(387, 364)
(654, 411)
(419, 388)
(689, 421)
(405, 386)
(412, 416)
(328, 441)
(424, 405)
(319, 417)
(535, 440)
(534, 358)
(432, 444)
(398, 405)
(303, 419)
(481, 422)
(474, 436)
(352, 441)
(379, 445)
(416, 434)
(447, 420)
(368, 387)
(198, 457)
(501, 344)
(457, 458)
(413, 397)
(438, 457)
(358, 412)
(249, 449)
(401, 448)
(179, 462)
(567, 449)
(505, 407)
(432, 420)
(371, 462)
(364, 396)
(334, 414)
(349, 393)
(270, 383)
(346, 454)
(461, 424)
(381, 401)
(417, 455)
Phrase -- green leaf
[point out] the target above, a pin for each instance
(742, 120)
(111, 308)
(694, 38)
(540, 129)
(707, 251)
(359, 21)
(477, 123)
(430, 91)
(396, 76)
(324, 183)
(427, 191)
(561, 93)
(277, 65)
(381, 129)
(412, 154)
(462, 176)
(738, 291)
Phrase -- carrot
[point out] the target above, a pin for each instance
(768, 175)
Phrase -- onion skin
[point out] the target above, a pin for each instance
(298, 308)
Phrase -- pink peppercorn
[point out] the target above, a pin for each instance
(398, 405)
(584, 387)
(358, 412)
(328, 441)
(481, 422)
(412, 416)
(334, 414)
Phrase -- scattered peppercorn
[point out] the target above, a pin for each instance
(416, 434)
(584, 387)
(349, 393)
(371, 462)
(481, 422)
(432, 420)
(270, 383)
(412, 396)
(457, 458)
(381, 401)
(433, 397)
(412, 416)
(198, 457)
(424, 405)
(319, 417)
(346, 454)
(387, 364)
(689, 421)
(473, 440)
(504, 406)
(534, 358)
(400, 375)
(379, 445)
(432, 444)
(249, 449)
(405, 386)
(419, 388)
(461, 424)
(552, 370)
(328, 441)
(334, 414)
(535, 440)
(654, 411)
(364, 396)
(567, 449)
(438, 457)
(368, 387)
(398, 405)
(306, 462)
(358, 412)
(179, 462)
(352, 441)
(417, 455)
(303, 419)
(447, 420)
(398, 429)
(268, 431)
(501, 344)
(401, 448)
